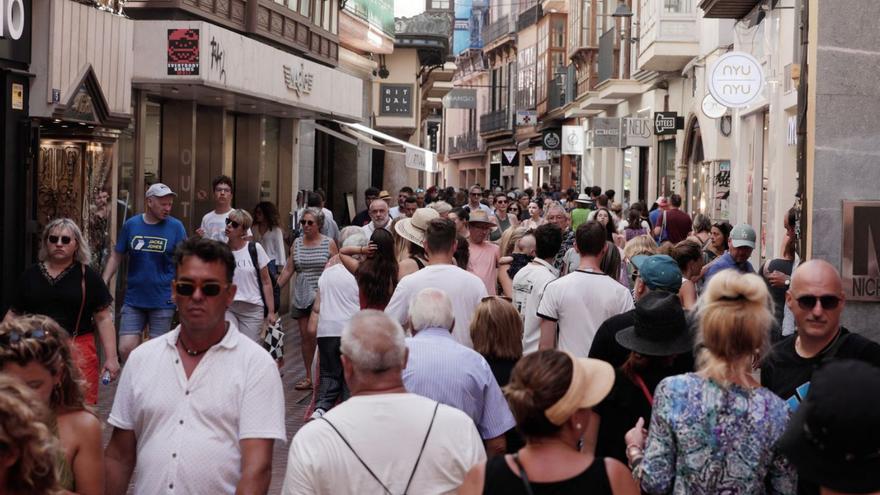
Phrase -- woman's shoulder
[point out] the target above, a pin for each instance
(82, 421)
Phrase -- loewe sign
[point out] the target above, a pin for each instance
(736, 79)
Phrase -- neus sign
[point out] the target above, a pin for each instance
(736, 79)
(12, 19)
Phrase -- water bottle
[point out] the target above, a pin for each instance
(105, 378)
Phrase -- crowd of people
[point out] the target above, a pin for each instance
(468, 341)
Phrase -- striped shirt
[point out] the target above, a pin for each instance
(309, 264)
(444, 370)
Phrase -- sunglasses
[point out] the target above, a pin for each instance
(307, 222)
(233, 223)
(807, 303)
(15, 336)
(65, 239)
(209, 289)
(476, 194)
(489, 298)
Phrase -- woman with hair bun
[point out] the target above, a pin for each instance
(715, 431)
(550, 394)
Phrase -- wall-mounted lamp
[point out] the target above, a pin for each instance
(622, 10)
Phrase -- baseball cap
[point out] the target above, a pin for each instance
(658, 271)
(159, 190)
(743, 235)
(662, 201)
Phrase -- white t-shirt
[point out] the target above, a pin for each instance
(215, 226)
(340, 300)
(188, 430)
(245, 276)
(464, 289)
(528, 289)
(320, 463)
(273, 242)
(394, 212)
(369, 228)
(580, 302)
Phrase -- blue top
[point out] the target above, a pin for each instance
(150, 249)
(442, 369)
(708, 439)
(724, 262)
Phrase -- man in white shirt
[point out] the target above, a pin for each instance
(530, 281)
(404, 193)
(214, 222)
(464, 288)
(383, 439)
(582, 300)
(379, 218)
(198, 409)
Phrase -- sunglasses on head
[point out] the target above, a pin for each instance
(234, 224)
(65, 239)
(16, 336)
(828, 302)
(209, 289)
(307, 222)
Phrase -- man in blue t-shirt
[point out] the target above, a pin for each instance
(741, 243)
(149, 241)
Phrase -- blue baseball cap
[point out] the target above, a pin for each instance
(658, 271)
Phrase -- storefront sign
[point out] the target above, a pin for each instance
(712, 109)
(17, 96)
(395, 99)
(861, 250)
(551, 139)
(667, 123)
(605, 132)
(15, 30)
(378, 13)
(572, 140)
(636, 132)
(526, 117)
(420, 159)
(461, 98)
(508, 158)
(736, 79)
(12, 19)
(298, 80)
(183, 52)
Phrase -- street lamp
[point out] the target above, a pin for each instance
(622, 10)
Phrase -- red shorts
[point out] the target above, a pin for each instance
(85, 355)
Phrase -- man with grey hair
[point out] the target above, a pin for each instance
(346, 451)
(556, 215)
(446, 371)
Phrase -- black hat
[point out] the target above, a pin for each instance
(660, 327)
(834, 437)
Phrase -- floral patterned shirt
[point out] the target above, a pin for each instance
(708, 439)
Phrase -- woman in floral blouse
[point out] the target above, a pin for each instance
(715, 431)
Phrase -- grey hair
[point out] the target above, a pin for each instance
(441, 207)
(373, 342)
(317, 213)
(243, 217)
(83, 252)
(352, 236)
(431, 308)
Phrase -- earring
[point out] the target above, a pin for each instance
(578, 426)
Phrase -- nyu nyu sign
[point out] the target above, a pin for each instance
(736, 79)
(12, 19)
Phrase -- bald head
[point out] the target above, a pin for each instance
(373, 343)
(817, 274)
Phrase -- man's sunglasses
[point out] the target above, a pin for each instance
(807, 303)
(307, 222)
(65, 239)
(234, 224)
(16, 336)
(209, 289)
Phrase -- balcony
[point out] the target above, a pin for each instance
(727, 9)
(464, 144)
(669, 35)
(498, 122)
(499, 32)
(529, 17)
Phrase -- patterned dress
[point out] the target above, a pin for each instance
(309, 264)
(708, 439)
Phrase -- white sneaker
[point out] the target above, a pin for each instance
(317, 414)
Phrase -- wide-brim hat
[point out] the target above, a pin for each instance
(834, 436)
(583, 198)
(591, 381)
(413, 229)
(480, 216)
(660, 328)
(383, 194)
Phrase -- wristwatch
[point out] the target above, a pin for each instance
(787, 282)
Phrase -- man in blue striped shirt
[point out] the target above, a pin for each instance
(442, 369)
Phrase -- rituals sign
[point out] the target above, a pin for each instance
(395, 100)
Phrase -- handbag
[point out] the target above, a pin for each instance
(273, 341)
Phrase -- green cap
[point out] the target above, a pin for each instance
(658, 271)
(743, 235)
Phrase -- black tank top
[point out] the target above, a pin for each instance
(501, 480)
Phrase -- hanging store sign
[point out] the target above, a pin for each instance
(395, 100)
(461, 98)
(551, 139)
(526, 117)
(183, 52)
(667, 123)
(420, 159)
(508, 158)
(711, 108)
(572, 140)
(736, 79)
(605, 132)
(861, 250)
(636, 132)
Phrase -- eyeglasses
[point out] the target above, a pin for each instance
(16, 336)
(65, 239)
(307, 222)
(489, 298)
(233, 223)
(476, 194)
(223, 190)
(502, 201)
(209, 289)
(828, 302)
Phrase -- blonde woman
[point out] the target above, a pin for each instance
(509, 243)
(640, 245)
(36, 350)
(715, 431)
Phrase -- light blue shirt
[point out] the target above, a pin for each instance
(444, 370)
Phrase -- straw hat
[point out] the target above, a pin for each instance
(413, 229)
(480, 216)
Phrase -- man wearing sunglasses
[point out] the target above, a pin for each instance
(816, 299)
(474, 203)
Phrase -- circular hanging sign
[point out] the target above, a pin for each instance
(736, 79)
(713, 109)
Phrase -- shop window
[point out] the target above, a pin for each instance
(666, 167)
(152, 143)
(440, 4)
(269, 179)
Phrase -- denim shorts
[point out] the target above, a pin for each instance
(134, 320)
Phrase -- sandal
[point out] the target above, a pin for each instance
(304, 384)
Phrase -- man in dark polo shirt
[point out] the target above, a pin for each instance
(678, 223)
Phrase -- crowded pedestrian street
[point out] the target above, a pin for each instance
(518, 247)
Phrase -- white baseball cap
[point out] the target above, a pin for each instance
(159, 190)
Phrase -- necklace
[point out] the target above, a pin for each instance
(189, 351)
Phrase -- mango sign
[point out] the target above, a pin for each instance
(736, 79)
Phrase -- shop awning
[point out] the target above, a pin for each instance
(416, 157)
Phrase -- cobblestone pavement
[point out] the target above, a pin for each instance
(295, 402)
